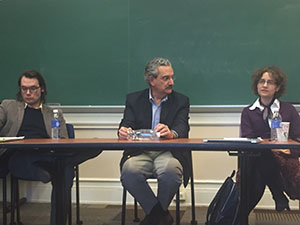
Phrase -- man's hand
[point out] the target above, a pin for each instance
(123, 133)
(164, 131)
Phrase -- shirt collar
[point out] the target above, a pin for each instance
(274, 107)
(151, 99)
(40, 106)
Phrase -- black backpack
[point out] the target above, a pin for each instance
(223, 210)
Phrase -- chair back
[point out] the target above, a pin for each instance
(70, 130)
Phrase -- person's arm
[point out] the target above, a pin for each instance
(128, 116)
(291, 115)
(63, 127)
(294, 131)
(180, 125)
(127, 121)
(246, 128)
(2, 116)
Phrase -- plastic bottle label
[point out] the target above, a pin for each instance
(55, 123)
(275, 123)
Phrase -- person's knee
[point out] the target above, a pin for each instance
(14, 160)
(18, 162)
(130, 176)
(81, 157)
(171, 177)
(172, 173)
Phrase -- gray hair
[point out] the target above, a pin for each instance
(151, 67)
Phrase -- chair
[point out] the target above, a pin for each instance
(71, 134)
(15, 192)
(177, 219)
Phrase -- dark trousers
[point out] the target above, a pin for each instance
(37, 166)
(263, 171)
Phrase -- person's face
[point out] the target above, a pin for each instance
(31, 91)
(163, 84)
(266, 86)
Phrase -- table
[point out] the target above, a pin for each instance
(63, 147)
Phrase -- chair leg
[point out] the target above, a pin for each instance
(193, 221)
(136, 216)
(70, 210)
(78, 221)
(135, 211)
(124, 207)
(4, 205)
(12, 200)
(15, 202)
(178, 207)
(18, 202)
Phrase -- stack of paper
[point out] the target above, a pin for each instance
(10, 138)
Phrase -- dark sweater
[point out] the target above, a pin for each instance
(253, 125)
(33, 125)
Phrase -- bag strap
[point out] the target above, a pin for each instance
(232, 174)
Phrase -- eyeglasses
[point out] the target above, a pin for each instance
(269, 82)
(31, 89)
(167, 78)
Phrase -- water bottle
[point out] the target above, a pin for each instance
(275, 124)
(55, 125)
(143, 134)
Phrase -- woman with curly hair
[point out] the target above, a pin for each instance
(270, 168)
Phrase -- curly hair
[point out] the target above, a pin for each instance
(277, 74)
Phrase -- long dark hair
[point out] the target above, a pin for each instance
(33, 74)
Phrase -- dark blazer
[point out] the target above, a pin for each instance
(174, 114)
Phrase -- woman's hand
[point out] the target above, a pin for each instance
(284, 151)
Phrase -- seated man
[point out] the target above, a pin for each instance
(165, 111)
(28, 116)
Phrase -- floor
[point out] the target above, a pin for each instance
(38, 214)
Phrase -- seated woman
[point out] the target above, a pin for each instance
(269, 84)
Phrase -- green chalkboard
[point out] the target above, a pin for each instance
(93, 52)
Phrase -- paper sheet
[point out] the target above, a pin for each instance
(10, 138)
